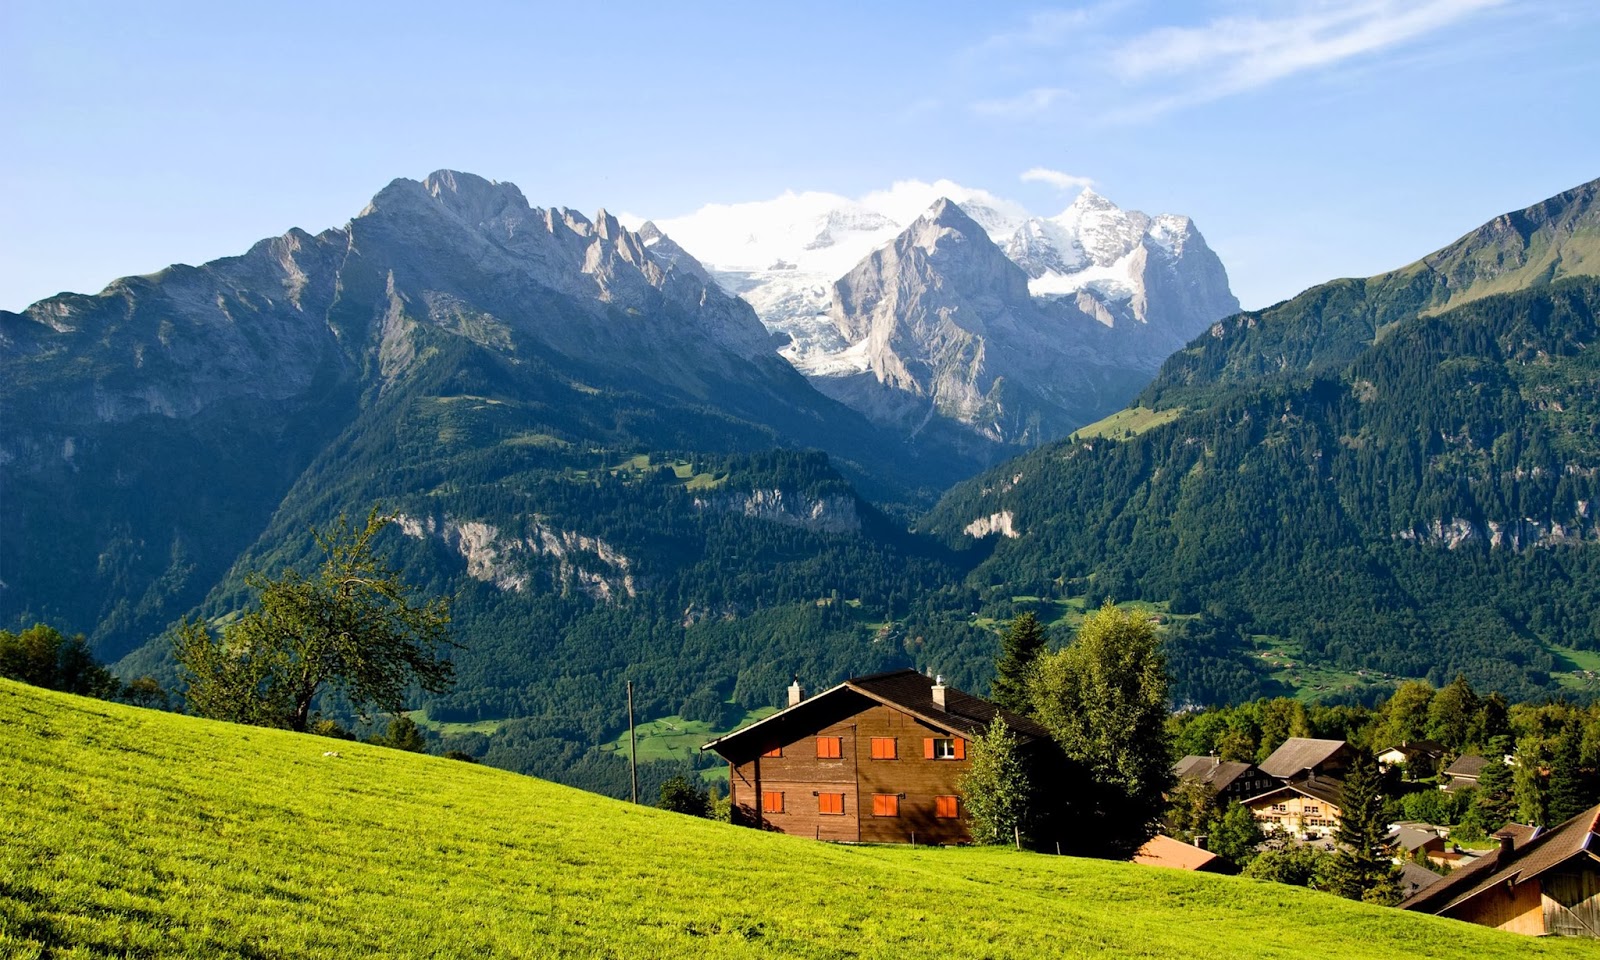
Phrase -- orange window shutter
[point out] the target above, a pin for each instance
(961, 749)
(927, 748)
(774, 752)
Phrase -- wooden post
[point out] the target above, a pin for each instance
(633, 747)
(1016, 834)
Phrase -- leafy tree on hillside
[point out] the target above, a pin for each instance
(1020, 647)
(1235, 835)
(682, 795)
(1104, 700)
(1362, 870)
(404, 734)
(995, 789)
(43, 656)
(355, 627)
(1455, 715)
(1191, 808)
(1299, 865)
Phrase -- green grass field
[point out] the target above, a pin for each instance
(674, 738)
(1128, 423)
(133, 833)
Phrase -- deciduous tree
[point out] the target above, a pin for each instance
(1104, 700)
(354, 627)
(995, 789)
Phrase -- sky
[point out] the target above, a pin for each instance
(1308, 140)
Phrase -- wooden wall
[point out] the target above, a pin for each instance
(799, 774)
(1519, 910)
(1572, 899)
(1302, 816)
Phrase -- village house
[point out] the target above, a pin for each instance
(1307, 809)
(874, 759)
(1537, 883)
(1420, 758)
(1412, 841)
(1229, 780)
(1464, 772)
(1302, 757)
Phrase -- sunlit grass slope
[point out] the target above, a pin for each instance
(133, 833)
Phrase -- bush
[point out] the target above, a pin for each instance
(680, 795)
(42, 656)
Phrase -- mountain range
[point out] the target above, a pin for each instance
(970, 311)
(602, 455)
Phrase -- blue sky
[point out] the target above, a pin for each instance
(1308, 139)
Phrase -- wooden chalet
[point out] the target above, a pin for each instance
(1301, 757)
(1535, 883)
(1464, 771)
(875, 759)
(1307, 809)
(1229, 780)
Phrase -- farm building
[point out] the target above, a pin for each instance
(1536, 883)
(874, 759)
(1164, 851)
(1419, 757)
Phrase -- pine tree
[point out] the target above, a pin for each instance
(1494, 803)
(1568, 794)
(1362, 871)
(1020, 647)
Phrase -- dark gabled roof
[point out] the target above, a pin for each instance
(1468, 765)
(963, 714)
(1299, 754)
(1410, 838)
(1326, 789)
(1520, 833)
(1527, 860)
(1218, 774)
(1415, 878)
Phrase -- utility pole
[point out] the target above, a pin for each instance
(633, 747)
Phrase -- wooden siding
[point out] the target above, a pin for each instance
(801, 776)
(1519, 910)
(1572, 900)
(1301, 815)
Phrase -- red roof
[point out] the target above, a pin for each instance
(1163, 851)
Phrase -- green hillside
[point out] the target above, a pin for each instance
(126, 832)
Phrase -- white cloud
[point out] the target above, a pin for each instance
(1027, 104)
(1234, 54)
(1056, 178)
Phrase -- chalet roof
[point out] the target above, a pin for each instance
(1417, 748)
(1299, 754)
(1164, 851)
(1468, 765)
(1526, 860)
(1219, 774)
(1414, 878)
(963, 714)
(1410, 838)
(1520, 833)
(1327, 789)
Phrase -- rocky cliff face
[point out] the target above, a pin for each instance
(941, 323)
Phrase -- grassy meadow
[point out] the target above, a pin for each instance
(126, 832)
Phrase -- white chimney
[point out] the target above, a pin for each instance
(938, 692)
(796, 694)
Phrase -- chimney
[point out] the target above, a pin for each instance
(938, 693)
(1508, 843)
(796, 693)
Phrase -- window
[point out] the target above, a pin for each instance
(883, 748)
(831, 803)
(944, 748)
(885, 805)
(774, 752)
(946, 808)
(1313, 808)
(830, 748)
(772, 801)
